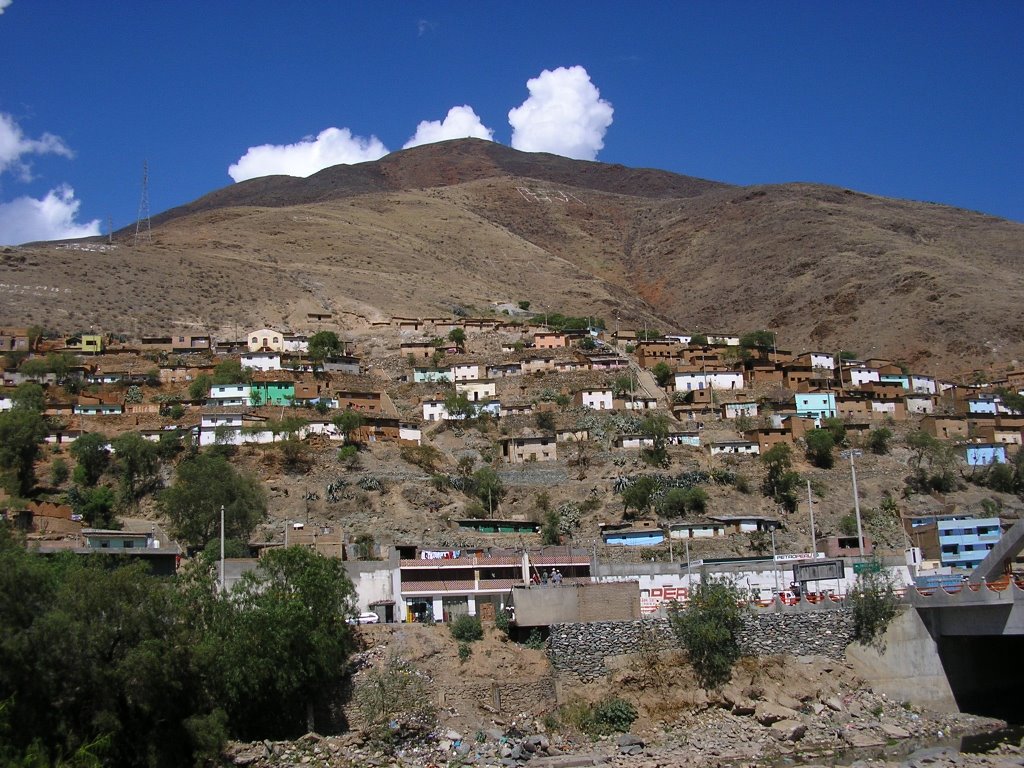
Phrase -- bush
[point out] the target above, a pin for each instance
(708, 629)
(59, 472)
(878, 441)
(464, 651)
(874, 603)
(820, 443)
(545, 420)
(610, 715)
(503, 620)
(467, 629)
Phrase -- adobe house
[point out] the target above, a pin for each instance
(768, 438)
(944, 428)
(550, 340)
(519, 450)
(420, 350)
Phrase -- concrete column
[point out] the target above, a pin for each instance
(471, 600)
(438, 608)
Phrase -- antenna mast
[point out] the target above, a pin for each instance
(143, 229)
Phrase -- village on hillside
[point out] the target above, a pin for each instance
(451, 460)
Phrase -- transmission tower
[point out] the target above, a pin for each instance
(143, 229)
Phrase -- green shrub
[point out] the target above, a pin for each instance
(59, 472)
(467, 629)
(503, 620)
(874, 602)
(535, 641)
(614, 715)
(708, 629)
(464, 651)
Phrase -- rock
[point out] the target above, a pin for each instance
(817, 708)
(462, 749)
(494, 733)
(744, 708)
(629, 740)
(444, 745)
(895, 732)
(863, 739)
(833, 703)
(788, 730)
(784, 700)
(250, 754)
(766, 713)
(453, 735)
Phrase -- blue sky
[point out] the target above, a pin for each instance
(916, 100)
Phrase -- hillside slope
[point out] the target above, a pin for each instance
(469, 223)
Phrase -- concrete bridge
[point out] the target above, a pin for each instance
(957, 648)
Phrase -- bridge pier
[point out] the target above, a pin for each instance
(906, 664)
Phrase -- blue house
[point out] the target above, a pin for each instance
(420, 375)
(965, 542)
(817, 405)
(987, 405)
(983, 454)
(901, 379)
(643, 533)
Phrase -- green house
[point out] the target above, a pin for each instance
(92, 343)
(272, 392)
(499, 526)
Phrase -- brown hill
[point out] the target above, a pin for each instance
(470, 222)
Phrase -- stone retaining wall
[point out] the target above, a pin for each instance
(581, 649)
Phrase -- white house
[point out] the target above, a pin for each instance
(6, 402)
(226, 428)
(262, 361)
(727, 340)
(859, 376)
(226, 395)
(822, 360)
(465, 372)
(919, 383)
(434, 410)
(734, 410)
(691, 380)
(265, 339)
(637, 403)
(742, 447)
(598, 399)
(920, 403)
(477, 391)
(295, 342)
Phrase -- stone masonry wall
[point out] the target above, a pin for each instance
(581, 649)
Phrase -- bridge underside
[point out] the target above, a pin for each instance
(984, 673)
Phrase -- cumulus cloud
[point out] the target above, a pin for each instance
(3, 5)
(333, 146)
(460, 123)
(564, 115)
(26, 219)
(14, 145)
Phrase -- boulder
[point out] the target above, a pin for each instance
(629, 740)
(766, 713)
(788, 730)
(833, 703)
(895, 732)
(862, 739)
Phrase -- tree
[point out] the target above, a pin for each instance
(231, 372)
(678, 501)
(35, 334)
(29, 396)
(60, 365)
(874, 602)
(819, 448)
(878, 441)
(324, 345)
(136, 461)
(656, 427)
(837, 428)
(544, 420)
(662, 373)
(349, 422)
(459, 406)
(708, 628)
(203, 484)
(92, 456)
(457, 336)
(588, 343)
(34, 368)
(280, 652)
(200, 387)
(524, 305)
(489, 488)
(22, 431)
(623, 385)
(757, 340)
(780, 481)
(639, 495)
(95, 505)
(551, 528)
(698, 340)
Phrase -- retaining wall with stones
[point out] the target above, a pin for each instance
(581, 649)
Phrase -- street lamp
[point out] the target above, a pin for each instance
(852, 454)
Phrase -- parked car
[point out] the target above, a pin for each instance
(367, 617)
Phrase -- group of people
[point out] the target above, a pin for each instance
(545, 578)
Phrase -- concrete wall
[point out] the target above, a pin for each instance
(905, 664)
(540, 606)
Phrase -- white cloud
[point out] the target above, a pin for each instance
(3, 5)
(14, 145)
(333, 146)
(26, 219)
(564, 114)
(460, 123)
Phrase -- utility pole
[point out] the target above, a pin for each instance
(221, 547)
(856, 499)
(810, 507)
